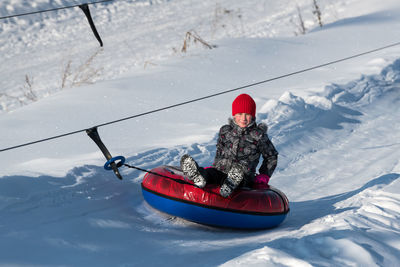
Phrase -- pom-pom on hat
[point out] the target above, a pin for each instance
(244, 104)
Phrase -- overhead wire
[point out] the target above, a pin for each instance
(205, 97)
(54, 9)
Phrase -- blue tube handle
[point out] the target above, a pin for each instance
(108, 167)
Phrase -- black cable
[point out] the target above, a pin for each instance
(249, 85)
(169, 178)
(206, 97)
(161, 175)
(54, 9)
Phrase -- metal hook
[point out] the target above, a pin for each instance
(94, 135)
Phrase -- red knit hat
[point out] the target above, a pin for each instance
(244, 104)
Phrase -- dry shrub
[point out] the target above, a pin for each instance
(317, 12)
(192, 37)
(27, 95)
(83, 74)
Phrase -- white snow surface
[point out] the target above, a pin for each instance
(336, 129)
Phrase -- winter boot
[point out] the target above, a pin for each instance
(191, 170)
(235, 177)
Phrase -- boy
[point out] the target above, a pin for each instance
(240, 144)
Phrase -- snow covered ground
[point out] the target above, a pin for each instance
(336, 128)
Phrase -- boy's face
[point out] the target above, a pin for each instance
(243, 119)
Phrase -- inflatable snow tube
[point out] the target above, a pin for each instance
(246, 208)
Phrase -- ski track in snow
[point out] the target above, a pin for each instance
(109, 217)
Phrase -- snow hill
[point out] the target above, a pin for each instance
(336, 129)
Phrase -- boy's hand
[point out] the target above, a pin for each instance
(261, 181)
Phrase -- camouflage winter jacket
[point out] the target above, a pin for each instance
(244, 146)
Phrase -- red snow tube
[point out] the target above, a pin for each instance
(246, 208)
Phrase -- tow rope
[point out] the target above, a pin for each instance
(113, 163)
